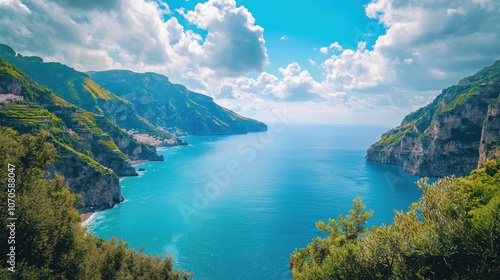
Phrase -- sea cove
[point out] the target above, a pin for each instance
(244, 224)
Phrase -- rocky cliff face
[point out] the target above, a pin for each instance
(454, 134)
(98, 186)
(490, 136)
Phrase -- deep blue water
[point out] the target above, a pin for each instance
(235, 207)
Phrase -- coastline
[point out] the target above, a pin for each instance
(85, 217)
(134, 163)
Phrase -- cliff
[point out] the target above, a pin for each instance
(490, 136)
(453, 135)
(173, 106)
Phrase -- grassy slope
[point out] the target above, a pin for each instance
(31, 115)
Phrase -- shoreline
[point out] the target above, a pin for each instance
(134, 163)
(85, 217)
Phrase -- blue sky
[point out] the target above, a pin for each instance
(337, 61)
(310, 26)
(294, 31)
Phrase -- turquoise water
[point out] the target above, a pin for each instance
(235, 207)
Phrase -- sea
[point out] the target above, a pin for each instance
(237, 206)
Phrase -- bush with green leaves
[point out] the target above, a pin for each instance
(452, 232)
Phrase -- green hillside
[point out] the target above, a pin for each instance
(46, 240)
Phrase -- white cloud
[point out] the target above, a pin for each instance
(427, 46)
(284, 37)
(442, 40)
(335, 46)
(97, 35)
(15, 5)
(92, 35)
(234, 44)
(294, 85)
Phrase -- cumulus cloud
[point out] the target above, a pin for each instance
(234, 44)
(91, 35)
(294, 85)
(335, 46)
(427, 45)
(139, 35)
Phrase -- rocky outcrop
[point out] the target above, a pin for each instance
(490, 136)
(98, 186)
(454, 134)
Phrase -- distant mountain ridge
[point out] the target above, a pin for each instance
(174, 106)
(453, 135)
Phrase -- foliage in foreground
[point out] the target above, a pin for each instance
(49, 242)
(453, 232)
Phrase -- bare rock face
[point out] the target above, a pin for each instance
(10, 86)
(490, 136)
(98, 186)
(453, 135)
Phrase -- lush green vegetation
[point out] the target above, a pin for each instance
(453, 232)
(49, 242)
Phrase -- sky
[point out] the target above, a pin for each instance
(327, 61)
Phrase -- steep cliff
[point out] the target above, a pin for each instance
(490, 137)
(452, 135)
(174, 106)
